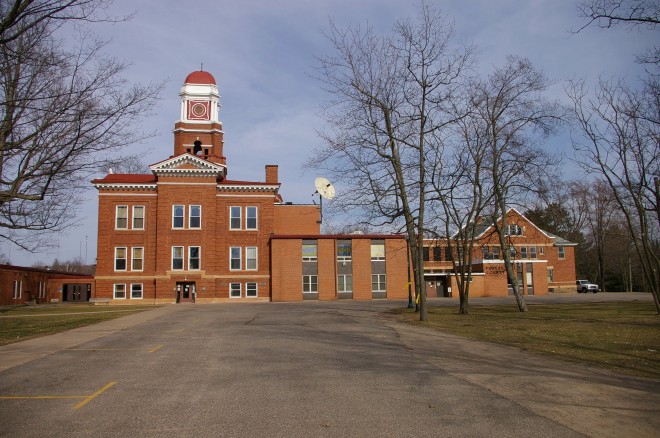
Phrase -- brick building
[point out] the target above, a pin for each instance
(23, 285)
(187, 232)
(543, 262)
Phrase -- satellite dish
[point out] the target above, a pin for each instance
(324, 188)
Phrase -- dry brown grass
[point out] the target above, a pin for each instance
(624, 337)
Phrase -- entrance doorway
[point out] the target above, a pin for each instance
(76, 292)
(185, 292)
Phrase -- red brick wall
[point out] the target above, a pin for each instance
(327, 269)
(297, 219)
(396, 267)
(286, 265)
(361, 269)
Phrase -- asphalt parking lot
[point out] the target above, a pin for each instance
(306, 369)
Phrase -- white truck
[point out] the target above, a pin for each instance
(585, 286)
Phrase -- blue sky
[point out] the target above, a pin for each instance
(262, 54)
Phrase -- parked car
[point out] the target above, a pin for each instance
(585, 286)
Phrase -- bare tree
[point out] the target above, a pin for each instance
(460, 189)
(515, 116)
(619, 140)
(391, 97)
(606, 13)
(20, 16)
(62, 115)
(634, 13)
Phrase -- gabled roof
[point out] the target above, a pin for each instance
(187, 164)
(484, 226)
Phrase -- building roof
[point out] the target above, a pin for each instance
(337, 236)
(200, 77)
(52, 273)
(125, 178)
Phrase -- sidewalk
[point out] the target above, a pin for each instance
(21, 352)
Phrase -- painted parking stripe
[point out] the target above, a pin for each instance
(86, 398)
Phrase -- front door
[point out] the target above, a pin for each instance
(185, 292)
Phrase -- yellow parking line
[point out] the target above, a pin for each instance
(86, 398)
(93, 396)
(156, 348)
(106, 349)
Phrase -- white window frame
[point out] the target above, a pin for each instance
(114, 291)
(377, 257)
(199, 258)
(133, 258)
(17, 290)
(532, 252)
(307, 281)
(182, 258)
(238, 251)
(247, 218)
(248, 290)
(133, 217)
(232, 289)
(341, 284)
(310, 258)
(233, 218)
(561, 253)
(515, 230)
(125, 258)
(190, 217)
(248, 259)
(117, 217)
(381, 281)
(141, 291)
(341, 258)
(523, 252)
(183, 216)
(42, 289)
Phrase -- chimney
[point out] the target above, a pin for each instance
(271, 174)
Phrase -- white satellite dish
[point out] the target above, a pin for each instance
(324, 188)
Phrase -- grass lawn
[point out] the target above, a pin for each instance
(624, 337)
(25, 322)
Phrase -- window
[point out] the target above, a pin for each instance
(377, 250)
(344, 250)
(234, 218)
(251, 258)
(378, 283)
(177, 257)
(310, 283)
(250, 218)
(551, 275)
(523, 252)
(177, 216)
(512, 252)
(561, 252)
(120, 259)
(42, 289)
(136, 291)
(195, 218)
(345, 283)
(194, 257)
(514, 230)
(532, 252)
(235, 258)
(121, 222)
(137, 259)
(234, 290)
(541, 250)
(251, 290)
(138, 217)
(120, 291)
(18, 288)
(309, 250)
(426, 254)
(437, 253)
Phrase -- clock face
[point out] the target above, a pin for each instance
(198, 110)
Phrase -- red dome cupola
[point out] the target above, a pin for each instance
(200, 78)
